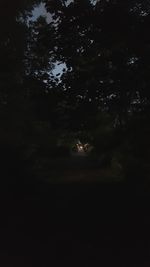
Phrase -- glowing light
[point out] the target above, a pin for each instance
(80, 148)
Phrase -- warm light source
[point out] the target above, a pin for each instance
(80, 148)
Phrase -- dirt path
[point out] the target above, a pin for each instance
(78, 168)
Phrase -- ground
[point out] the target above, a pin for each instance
(77, 168)
(74, 224)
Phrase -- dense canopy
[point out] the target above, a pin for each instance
(104, 47)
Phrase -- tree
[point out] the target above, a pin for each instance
(106, 49)
(13, 94)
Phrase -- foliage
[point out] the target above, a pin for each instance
(105, 48)
(102, 96)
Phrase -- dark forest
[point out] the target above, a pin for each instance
(75, 133)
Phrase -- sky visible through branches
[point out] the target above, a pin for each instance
(38, 11)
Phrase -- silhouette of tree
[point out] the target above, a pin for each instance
(106, 49)
(14, 106)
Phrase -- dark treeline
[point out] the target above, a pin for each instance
(101, 96)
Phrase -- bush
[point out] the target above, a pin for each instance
(53, 151)
(105, 160)
(62, 151)
(15, 166)
(133, 163)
